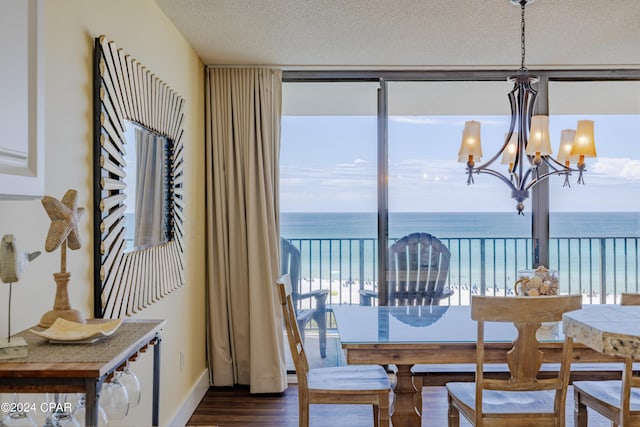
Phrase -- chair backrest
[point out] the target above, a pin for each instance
(629, 299)
(293, 333)
(524, 358)
(290, 264)
(418, 269)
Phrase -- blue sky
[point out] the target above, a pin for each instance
(329, 164)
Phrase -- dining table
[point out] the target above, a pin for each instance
(406, 336)
(611, 329)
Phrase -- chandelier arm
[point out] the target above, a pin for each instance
(495, 173)
(560, 167)
(528, 96)
(543, 177)
(512, 126)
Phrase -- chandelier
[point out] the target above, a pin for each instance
(527, 147)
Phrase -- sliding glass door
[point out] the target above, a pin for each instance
(328, 204)
(428, 189)
(595, 227)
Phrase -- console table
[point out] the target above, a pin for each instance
(82, 368)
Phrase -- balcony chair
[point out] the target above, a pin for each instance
(418, 269)
(315, 308)
(616, 400)
(350, 384)
(523, 399)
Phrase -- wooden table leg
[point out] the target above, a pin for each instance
(405, 412)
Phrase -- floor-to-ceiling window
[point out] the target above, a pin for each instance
(428, 190)
(594, 227)
(352, 162)
(328, 184)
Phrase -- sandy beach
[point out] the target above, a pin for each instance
(345, 292)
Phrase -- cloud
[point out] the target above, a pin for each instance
(356, 163)
(618, 167)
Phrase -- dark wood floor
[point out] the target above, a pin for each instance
(237, 407)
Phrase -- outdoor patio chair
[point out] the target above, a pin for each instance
(350, 384)
(523, 399)
(616, 400)
(417, 274)
(310, 305)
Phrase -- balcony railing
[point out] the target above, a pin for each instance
(600, 268)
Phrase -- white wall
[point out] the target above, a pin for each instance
(142, 30)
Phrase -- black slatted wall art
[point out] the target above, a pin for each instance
(126, 281)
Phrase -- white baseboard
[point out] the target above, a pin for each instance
(192, 400)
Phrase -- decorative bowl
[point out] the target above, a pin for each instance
(65, 331)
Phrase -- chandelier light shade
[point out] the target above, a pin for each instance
(539, 142)
(471, 149)
(567, 136)
(584, 144)
(509, 153)
(527, 144)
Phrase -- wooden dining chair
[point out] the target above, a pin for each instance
(616, 400)
(351, 384)
(418, 270)
(523, 399)
(310, 305)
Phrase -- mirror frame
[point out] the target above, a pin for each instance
(124, 89)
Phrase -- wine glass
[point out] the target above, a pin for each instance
(114, 399)
(62, 413)
(17, 416)
(80, 413)
(130, 381)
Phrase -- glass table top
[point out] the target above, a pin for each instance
(420, 324)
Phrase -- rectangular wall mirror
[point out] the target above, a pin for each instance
(138, 184)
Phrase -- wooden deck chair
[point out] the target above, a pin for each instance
(523, 399)
(417, 274)
(351, 384)
(616, 400)
(309, 305)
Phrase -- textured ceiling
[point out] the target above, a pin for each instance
(340, 34)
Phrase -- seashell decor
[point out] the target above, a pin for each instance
(540, 281)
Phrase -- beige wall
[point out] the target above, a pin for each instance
(141, 29)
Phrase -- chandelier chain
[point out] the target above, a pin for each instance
(522, 35)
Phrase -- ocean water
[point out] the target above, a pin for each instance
(457, 224)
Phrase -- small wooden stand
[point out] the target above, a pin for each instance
(61, 306)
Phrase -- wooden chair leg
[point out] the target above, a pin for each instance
(579, 411)
(454, 414)
(376, 411)
(303, 415)
(383, 411)
(417, 400)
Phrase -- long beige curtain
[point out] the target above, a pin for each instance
(245, 343)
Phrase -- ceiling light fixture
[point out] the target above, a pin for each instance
(527, 142)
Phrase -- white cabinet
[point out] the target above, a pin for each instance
(21, 99)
